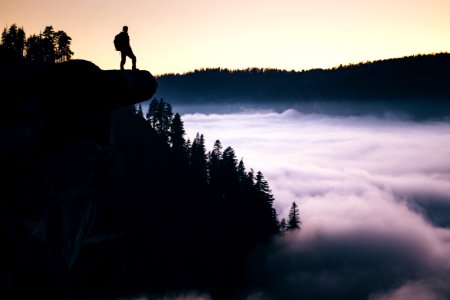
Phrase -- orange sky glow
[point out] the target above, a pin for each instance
(181, 35)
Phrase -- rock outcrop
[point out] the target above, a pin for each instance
(55, 157)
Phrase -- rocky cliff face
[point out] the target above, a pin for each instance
(55, 160)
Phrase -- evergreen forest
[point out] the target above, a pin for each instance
(417, 77)
(175, 215)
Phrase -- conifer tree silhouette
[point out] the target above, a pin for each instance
(198, 158)
(13, 39)
(294, 218)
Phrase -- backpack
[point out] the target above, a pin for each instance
(119, 42)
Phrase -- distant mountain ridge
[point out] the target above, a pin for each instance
(418, 77)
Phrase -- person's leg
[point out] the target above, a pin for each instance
(133, 58)
(123, 58)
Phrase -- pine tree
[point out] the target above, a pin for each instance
(176, 138)
(159, 116)
(14, 40)
(188, 147)
(198, 159)
(229, 163)
(215, 167)
(294, 218)
(242, 176)
(262, 186)
(34, 48)
(265, 199)
(229, 172)
(62, 46)
(152, 112)
(48, 44)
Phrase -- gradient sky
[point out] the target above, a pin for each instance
(178, 35)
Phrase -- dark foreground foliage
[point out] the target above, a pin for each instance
(175, 216)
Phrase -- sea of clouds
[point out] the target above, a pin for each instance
(374, 199)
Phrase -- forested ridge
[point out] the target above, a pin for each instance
(411, 77)
(177, 217)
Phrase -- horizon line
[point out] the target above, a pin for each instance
(202, 69)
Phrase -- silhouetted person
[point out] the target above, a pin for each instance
(122, 43)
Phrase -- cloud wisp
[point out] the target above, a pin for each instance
(374, 196)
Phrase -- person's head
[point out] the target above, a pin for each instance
(125, 28)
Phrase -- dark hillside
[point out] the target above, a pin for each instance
(420, 77)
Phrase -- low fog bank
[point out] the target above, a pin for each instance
(406, 109)
(192, 295)
(374, 198)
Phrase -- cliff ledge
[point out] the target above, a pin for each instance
(55, 153)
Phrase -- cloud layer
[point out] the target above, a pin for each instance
(374, 196)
